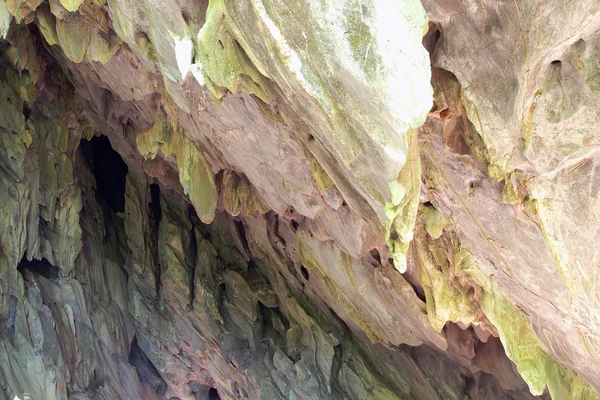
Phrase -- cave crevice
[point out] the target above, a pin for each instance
(109, 169)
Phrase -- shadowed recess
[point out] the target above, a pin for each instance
(109, 170)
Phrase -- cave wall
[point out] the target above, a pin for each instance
(308, 200)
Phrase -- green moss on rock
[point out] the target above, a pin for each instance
(526, 350)
(447, 298)
(195, 174)
(239, 196)
(401, 211)
(74, 38)
(5, 18)
(101, 49)
(452, 282)
(225, 66)
(47, 24)
(71, 5)
(434, 221)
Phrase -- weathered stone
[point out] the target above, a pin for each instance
(5, 18)
(255, 199)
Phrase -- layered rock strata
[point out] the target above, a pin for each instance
(345, 199)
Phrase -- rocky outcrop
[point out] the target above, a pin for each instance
(303, 200)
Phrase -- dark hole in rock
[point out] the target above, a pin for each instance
(311, 138)
(213, 394)
(251, 265)
(155, 217)
(555, 62)
(155, 202)
(264, 314)
(39, 267)
(470, 384)
(222, 294)
(146, 371)
(236, 389)
(242, 232)
(295, 225)
(201, 391)
(109, 170)
(304, 272)
(26, 111)
(432, 37)
(375, 255)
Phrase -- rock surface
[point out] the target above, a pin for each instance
(344, 199)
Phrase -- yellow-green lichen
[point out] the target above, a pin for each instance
(401, 211)
(452, 282)
(146, 47)
(434, 221)
(82, 36)
(71, 5)
(239, 196)
(360, 38)
(195, 174)
(5, 18)
(526, 350)
(510, 194)
(324, 182)
(527, 127)
(47, 24)
(437, 267)
(121, 24)
(225, 66)
(15, 9)
(74, 37)
(101, 49)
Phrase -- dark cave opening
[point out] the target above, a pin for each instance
(213, 394)
(26, 110)
(192, 253)
(204, 391)
(39, 267)
(109, 169)
(155, 210)
(155, 217)
(146, 370)
(376, 256)
(304, 272)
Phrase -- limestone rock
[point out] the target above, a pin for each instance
(342, 199)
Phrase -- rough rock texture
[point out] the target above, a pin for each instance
(265, 199)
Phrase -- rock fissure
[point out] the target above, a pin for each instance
(155, 219)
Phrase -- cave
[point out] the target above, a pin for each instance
(328, 199)
(109, 169)
(213, 394)
(39, 267)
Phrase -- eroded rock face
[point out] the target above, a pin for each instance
(298, 200)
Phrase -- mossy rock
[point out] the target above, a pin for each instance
(195, 174)
(225, 66)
